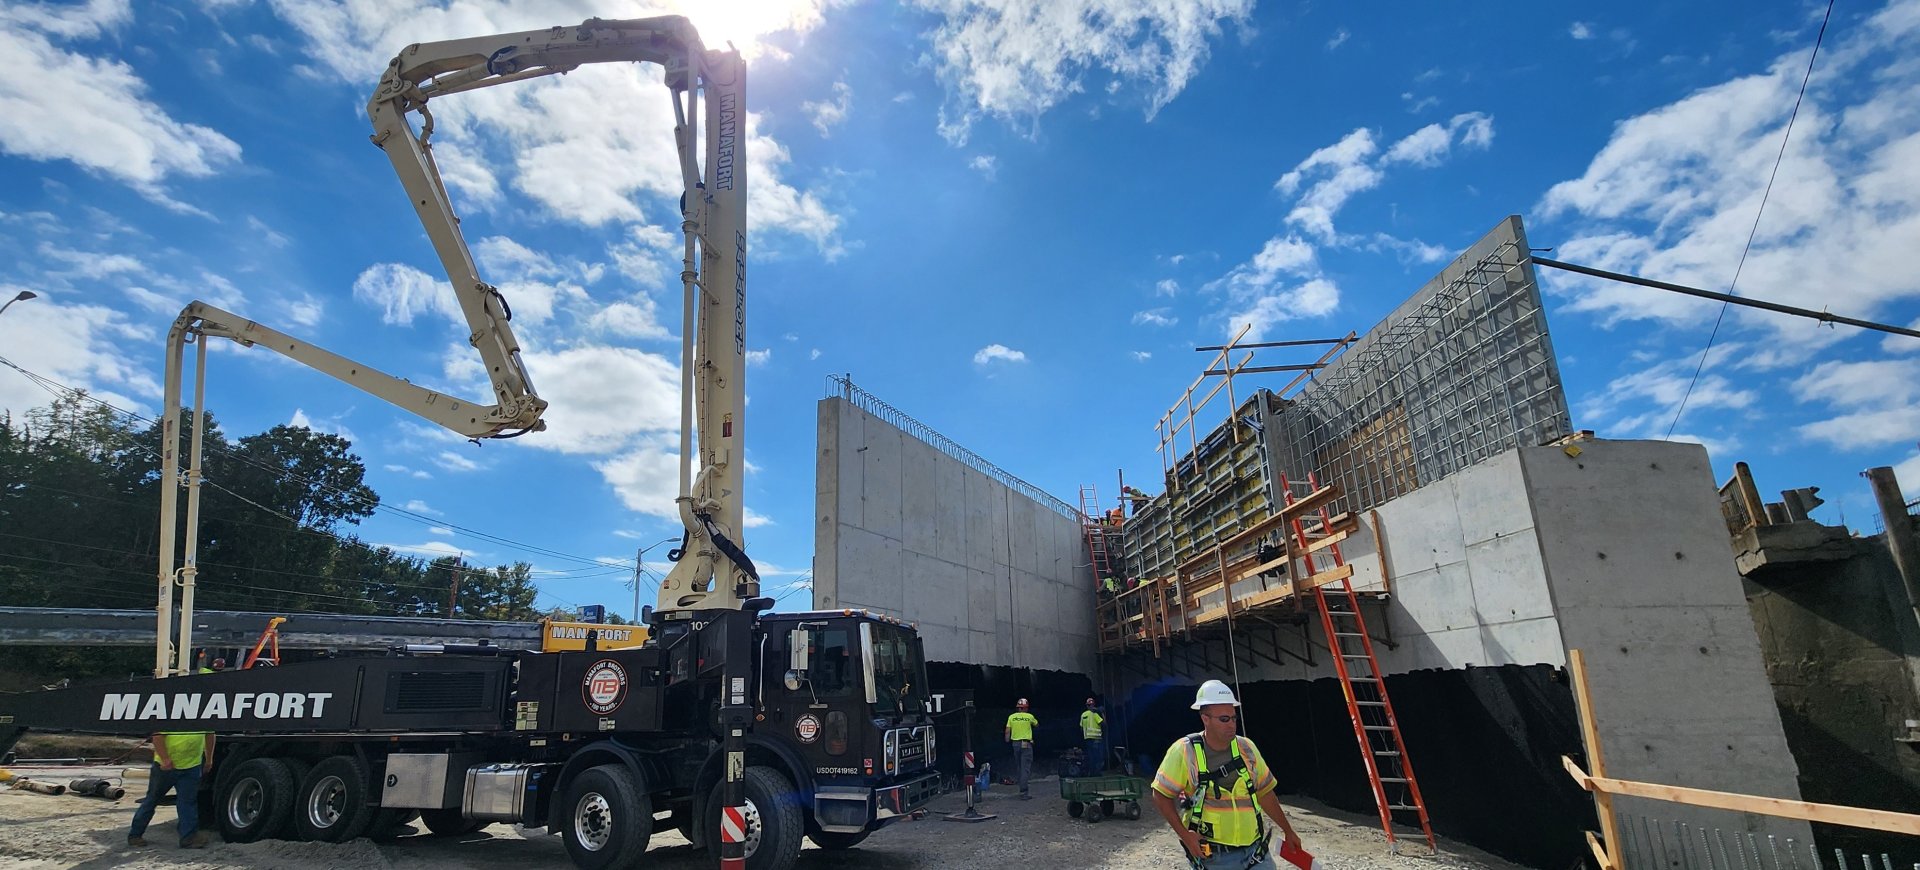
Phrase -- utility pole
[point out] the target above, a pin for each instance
(453, 595)
(639, 565)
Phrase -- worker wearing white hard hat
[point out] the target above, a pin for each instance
(1019, 733)
(1213, 785)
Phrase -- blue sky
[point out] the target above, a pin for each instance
(1012, 220)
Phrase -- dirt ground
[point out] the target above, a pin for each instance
(42, 832)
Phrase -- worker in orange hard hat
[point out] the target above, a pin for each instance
(1019, 732)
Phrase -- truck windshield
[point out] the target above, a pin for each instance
(899, 676)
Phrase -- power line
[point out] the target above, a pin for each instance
(1785, 137)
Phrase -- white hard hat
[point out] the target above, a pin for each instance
(1214, 692)
(1023, 702)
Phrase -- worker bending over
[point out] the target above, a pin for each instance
(1209, 784)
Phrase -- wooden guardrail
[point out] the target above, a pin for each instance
(1606, 845)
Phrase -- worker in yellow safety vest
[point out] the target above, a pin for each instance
(182, 760)
(1212, 787)
(1019, 732)
(1091, 723)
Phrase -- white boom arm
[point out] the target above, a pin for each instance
(711, 572)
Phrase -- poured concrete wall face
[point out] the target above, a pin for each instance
(1642, 577)
(991, 576)
(1619, 552)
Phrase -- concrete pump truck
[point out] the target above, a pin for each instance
(745, 729)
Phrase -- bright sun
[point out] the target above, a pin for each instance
(746, 22)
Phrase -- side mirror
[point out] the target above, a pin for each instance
(798, 642)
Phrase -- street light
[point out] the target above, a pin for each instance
(22, 296)
(640, 566)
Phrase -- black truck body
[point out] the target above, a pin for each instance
(601, 747)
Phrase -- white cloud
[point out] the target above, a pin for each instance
(646, 478)
(415, 473)
(1880, 399)
(329, 427)
(440, 530)
(419, 507)
(637, 318)
(1141, 355)
(759, 357)
(430, 550)
(1642, 404)
(1314, 298)
(828, 114)
(985, 164)
(999, 352)
(1016, 60)
(1580, 30)
(1429, 145)
(1861, 429)
(1908, 473)
(88, 264)
(452, 461)
(1154, 317)
(1338, 39)
(753, 520)
(1167, 287)
(604, 397)
(1345, 168)
(82, 346)
(403, 292)
(1674, 192)
(567, 152)
(813, 354)
(304, 312)
(60, 104)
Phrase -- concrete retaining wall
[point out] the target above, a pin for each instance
(991, 576)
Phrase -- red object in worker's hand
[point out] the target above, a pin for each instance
(1291, 853)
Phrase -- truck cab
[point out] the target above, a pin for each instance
(846, 691)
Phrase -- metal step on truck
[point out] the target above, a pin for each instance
(603, 748)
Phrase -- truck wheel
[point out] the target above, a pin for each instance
(1133, 811)
(775, 821)
(1075, 809)
(450, 823)
(606, 819)
(254, 802)
(331, 806)
(837, 841)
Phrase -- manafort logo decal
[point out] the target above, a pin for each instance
(239, 705)
(604, 686)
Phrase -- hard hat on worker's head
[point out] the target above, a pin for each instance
(219, 664)
(1022, 704)
(1214, 692)
(1089, 702)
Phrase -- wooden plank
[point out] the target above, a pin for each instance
(1831, 814)
(1310, 502)
(1331, 575)
(1590, 737)
(1600, 852)
(1319, 544)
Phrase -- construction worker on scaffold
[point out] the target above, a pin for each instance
(1213, 786)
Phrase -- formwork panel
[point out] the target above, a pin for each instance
(1461, 371)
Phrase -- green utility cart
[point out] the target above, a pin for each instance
(1097, 797)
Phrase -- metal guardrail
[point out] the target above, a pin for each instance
(83, 627)
(842, 387)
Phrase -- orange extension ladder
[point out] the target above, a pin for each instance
(1395, 791)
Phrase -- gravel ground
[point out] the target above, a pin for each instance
(41, 832)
